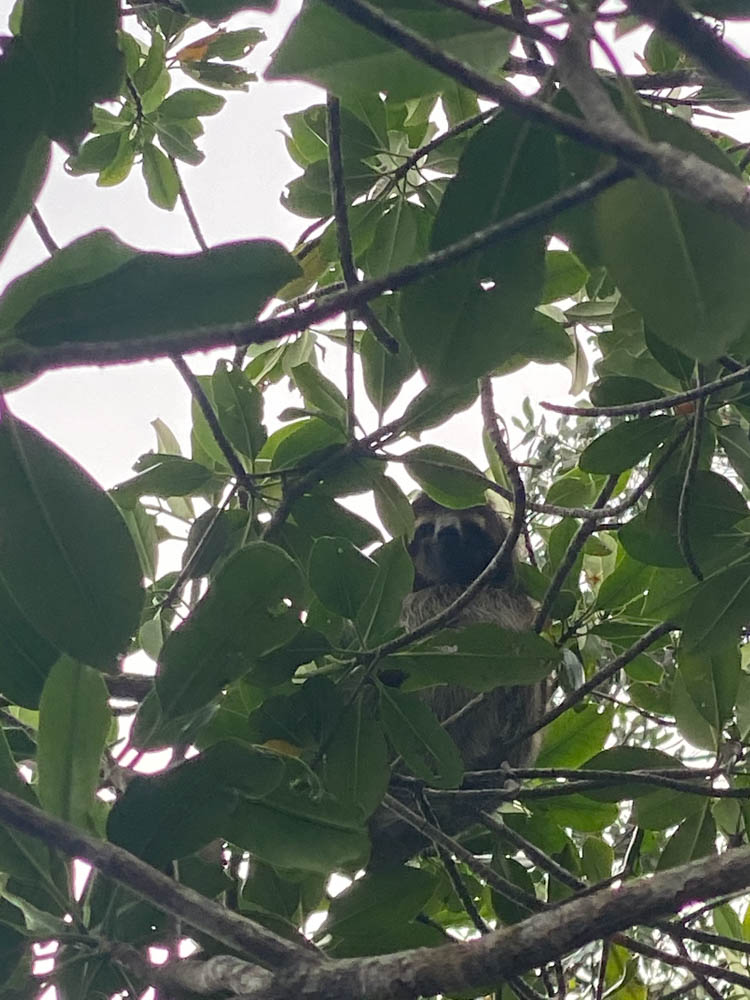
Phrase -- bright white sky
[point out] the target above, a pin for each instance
(102, 416)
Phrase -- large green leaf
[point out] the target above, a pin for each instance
(66, 556)
(73, 724)
(681, 265)
(153, 294)
(356, 759)
(712, 677)
(379, 613)
(449, 478)
(241, 617)
(296, 827)
(575, 737)
(720, 608)
(418, 737)
(89, 257)
(480, 657)
(24, 153)
(625, 445)
(377, 914)
(326, 48)
(219, 10)
(169, 815)
(26, 657)
(74, 44)
(470, 318)
(340, 575)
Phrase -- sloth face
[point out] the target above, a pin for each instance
(452, 546)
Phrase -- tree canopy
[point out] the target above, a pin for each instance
(482, 187)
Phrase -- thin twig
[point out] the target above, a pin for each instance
(567, 562)
(607, 671)
(651, 405)
(188, 209)
(43, 232)
(698, 39)
(502, 885)
(198, 393)
(683, 507)
(343, 234)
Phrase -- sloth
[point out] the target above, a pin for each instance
(450, 548)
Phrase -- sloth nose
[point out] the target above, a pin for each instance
(448, 533)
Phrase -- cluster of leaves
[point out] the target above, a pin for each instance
(278, 649)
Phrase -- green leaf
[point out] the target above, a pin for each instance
(694, 838)
(356, 760)
(76, 43)
(715, 508)
(295, 827)
(319, 392)
(26, 657)
(176, 139)
(241, 617)
(319, 515)
(190, 102)
(736, 444)
(154, 294)
(681, 265)
(380, 612)
(597, 858)
(161, 178)
(400, 238)
(66, 556)
(614, 390)
(625, 445)
(219, 10)
(471, 317)
(573, 489)
(433, 405)
(416, 735)
(718, 611)
(165, 476)
(712, 676)
(626, 759)
(393, 508)
(447, 477)
(575, 737)
(691, 723)
(24, 155)
(73, 723)
(578, 812)
(172, 814)
(231, 45)
(222, 77)
(119, 167)
(326, 48)
(383, 373)
(377, 913)
(564, 275)
(96, 153)
(239, 408)
(481, 657)
(21, 856)
(85, 259)
(152, 66)
(300, 441)
(340, 575)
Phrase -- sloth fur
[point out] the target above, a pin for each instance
(450, 548)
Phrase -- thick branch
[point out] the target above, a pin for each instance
(21, 357)
(222, 925)
(466, 966)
